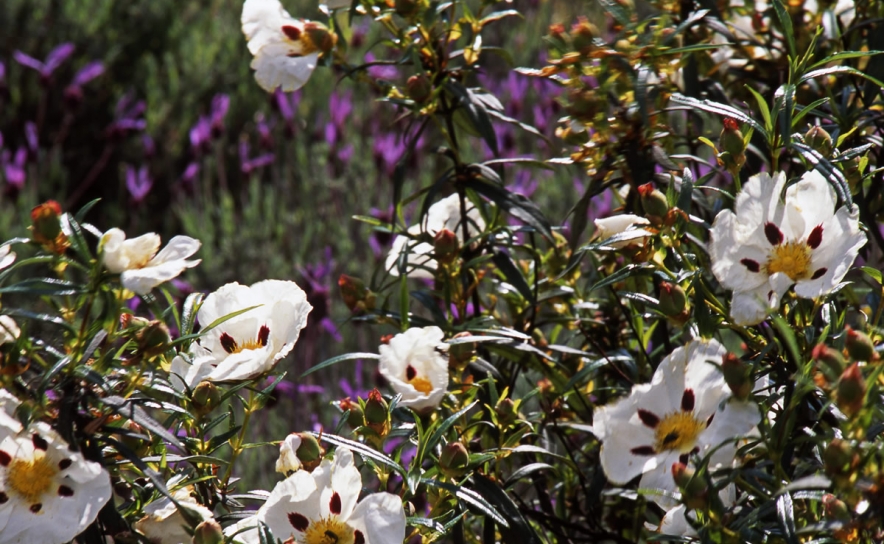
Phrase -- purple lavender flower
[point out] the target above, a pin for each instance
(190, 173)
(73, 93)
(380, 71)
(379, 240)
(288, 104)
(201, 135)
(32, 138)
(525, 183)
(388, 148)
(55, 58)
(14, 168)
(318, 278)
(127, 117)
(516, 86)
(148, 145)
(340, 106)
(265, 135)
(138, 182)
(220, 105)
(356, 388)
(248, 165)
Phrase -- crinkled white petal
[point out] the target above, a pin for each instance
(9, 330)
(7, 257)
(288, 454)
(422, 351)
(619, 224)
(262, 22)
(275, 67)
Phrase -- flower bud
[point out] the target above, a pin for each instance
(653, 201)
(859, 345)
(208, 532)
(138, 444)
(851, 390)
(419, 88)
(356, 295)
(46, 227)
(355, 418)
(506, 411)
(833, 360)
(819, 140)
(672, 299)
(153, 339)
(839, 458)
(582, 34)
(206, 397)
(737, 375)
(459, 354)
(835, 509)
(445, 246)
(377, 413)
(309, 451)
(318, 36)
(583, 104)
(693, 489)
(454, 460)
(730, 142)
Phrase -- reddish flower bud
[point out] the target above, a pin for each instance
(582, 35)
(358, 298)
(454, 460)
(819, 140)
(419, 88)
(737, 375)
(377, 413)
(851, 390)
(859, 345)
(355, 418)
(832, 359)
(672, 299)
(445, 246)
(46, 227)
(653, 201)
(310, 451)
(731, 145)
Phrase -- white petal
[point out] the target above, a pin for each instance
(346, 481)
(276, 68)
(7, 257)
(660, 478)
(178, 248)
(288, 454)
(9, 330)
(752, 306)
(296, 494)
(421, 350)
(142, 280)
(262, 22)
(675, 523)
(381, 519)
(728, 250)
(842, 240)
(809, 202)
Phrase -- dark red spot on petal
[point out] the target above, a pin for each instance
(751, 266)
(39, 442)
(3, 497)
(687, 400)
(36, 507)
(643, 450)
(64, 463)
(65, 491)
(334, 505)
(298, 521)
(5, 458)
(228, 343)
(773, 233)
(263, 335)
(819, 273)
(410, 373)
(684, 458)
(650, 419)
(358, 537)
(816, 237)
(709, 421)
(292, 32)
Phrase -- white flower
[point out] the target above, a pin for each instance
(288, 454)
(251, 343)
(140, 267)
(9, 330)
(8, 405)
(680, 413)
(7, 257)
(444, 214)
(321, 507)
(48, 493)
(163, 522)
(768, 245)
(286, 49)
(415, 363)
(625, 224)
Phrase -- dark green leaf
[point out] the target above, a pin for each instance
(719, 109)
(361, 449)
(786, 518)
(515, 204)
(838, 70)
(470, 497)
(788, 32)
(513, 275)
(829, 171)
(475, 111)
(338, 359)
(128, 409)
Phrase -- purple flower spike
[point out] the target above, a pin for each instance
(138, 182)
(288, 104)
(340, 106)
(380, 71)
(190, 173)
(247, 165)
(220, 105)
(73, 93)
(127, 113)
(201, 135)
(31, 137)
(15, 168)
(55, 59)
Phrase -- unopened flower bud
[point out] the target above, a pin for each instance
(318, 35)
(309, 451)
(46, 227)
(377, 413)
(653, 201)
(852, 172)
(206, 397)
(831, 358)
(460, 353)
(732, 146)
(506, 411)
(405, 8)
(835, 508)
(582, 34)
(859, 345)
(153, 339)
(356, 295)
(445, 246)
(672, 299)
(355, 418)
(208, 532)
(454, 460)
(138, 444)
(839, 458)
(819, 140)
(419, 88)
(737, 375)
(583, 104)
(693, 489)
(851, 390)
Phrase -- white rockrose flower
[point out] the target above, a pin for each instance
(680, 413)
(163, 523)
(251, 343)
(8, 405)
(768, 245)
(444, 214)
(626, 224)
(140, 263)
(288, 454)
(7, 257)
(9, 330)
(415, 363)
(323, 507)
(48, 493)
(286, 49)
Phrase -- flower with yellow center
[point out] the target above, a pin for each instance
(48, 493)
(416, 365)
(767, 245)
(323, 507)
(139, 261)
(683, 412)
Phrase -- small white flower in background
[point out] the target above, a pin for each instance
(321, 507)
(7, 257)
(444, 214)
(286, 49)
(768, 244)
(680, 413)
(250, 344)
(415, 363)
(288, 454)
(48, 493)
(139, 261)
(622, 224)
(9, 330)
(163, 523)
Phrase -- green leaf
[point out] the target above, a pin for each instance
(719, 109)
(513, 275)
(685, 196)
(440, 431)
(518, 529)
(517, 205)
(838, 70)
(526, 471)
(130, 410)
(361, 449)
(627, 271)
(874, 273)
(786, 518)
(188, 317)
(44, 286)
(498, 15)
(475, 111)
(762, 107)
(829, 171)
(788, 32)
(338, 359)
(470, 497)
(843, 55)
(804, 110)
(785, 97)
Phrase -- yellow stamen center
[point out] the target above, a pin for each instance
(328, 531)
(792, 258)
(31, 478)
(421, 384)
(677, 431)
(247, 344)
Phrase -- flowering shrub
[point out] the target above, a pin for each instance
(703, 366)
